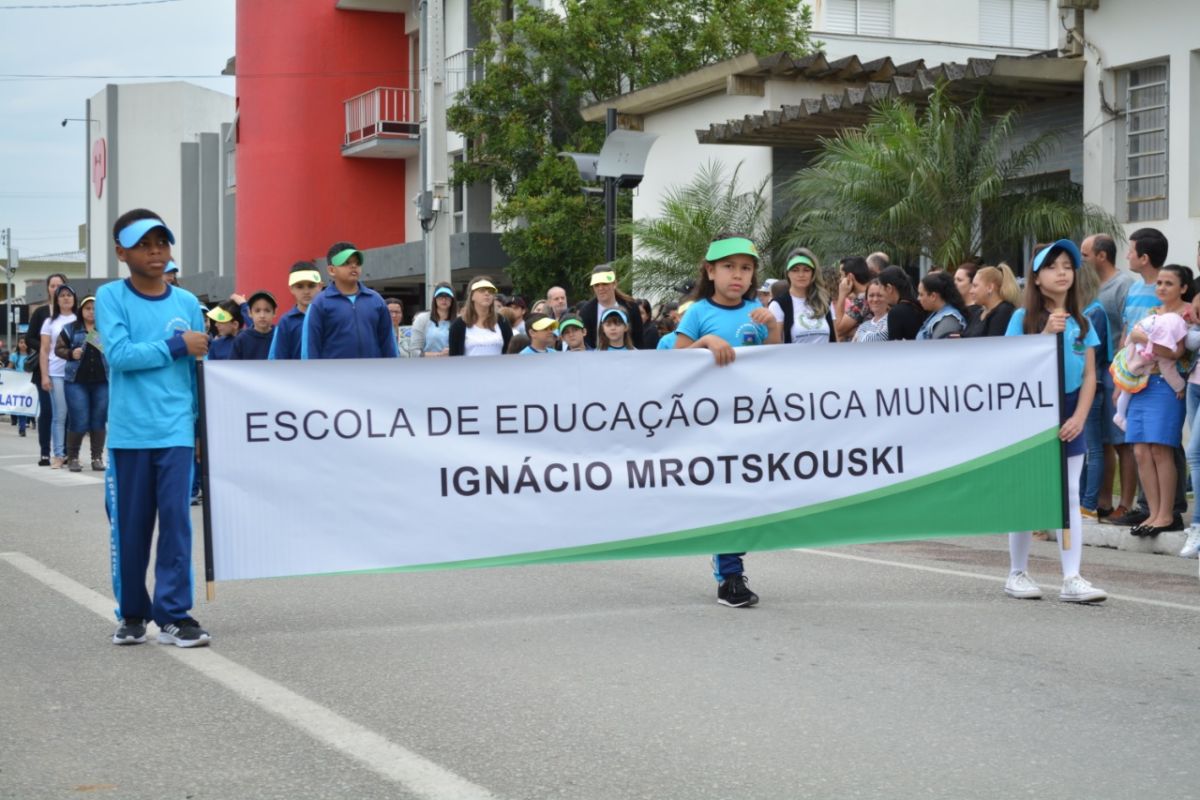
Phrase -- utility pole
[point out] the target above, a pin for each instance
(433, 140)
(8, 291)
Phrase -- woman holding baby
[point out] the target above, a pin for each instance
(1154, 419)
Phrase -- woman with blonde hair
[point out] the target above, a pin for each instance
(803, 310)
(996, 293)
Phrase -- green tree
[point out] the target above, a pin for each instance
(920, 182)
(671, 245)
(541, 68)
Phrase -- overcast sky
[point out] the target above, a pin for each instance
(42, 164)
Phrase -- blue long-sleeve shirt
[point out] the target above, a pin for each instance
(152, 379)
(250, 345)
(341, 326)
(220, 348)
(286, 344)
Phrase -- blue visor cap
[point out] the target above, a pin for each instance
(171, 265)
(614, 312)
(1061, 246)
(132, 233)
(444, 291)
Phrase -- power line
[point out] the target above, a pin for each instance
(89, 5)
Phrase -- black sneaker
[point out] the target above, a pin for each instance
(197, 499)
(184, 633)
(1134, 517)
(44, 461)
(734, 592)
(132, 630)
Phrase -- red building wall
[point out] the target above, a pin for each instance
(297, 62)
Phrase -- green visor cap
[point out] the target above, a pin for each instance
(570, 322)
(341, 258)
(724, 248)
(805, 260)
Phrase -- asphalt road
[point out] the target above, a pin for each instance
(879, 671)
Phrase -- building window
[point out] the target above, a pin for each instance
(458, 198)
(1144, 156)
(1015, 23)
(860, 17)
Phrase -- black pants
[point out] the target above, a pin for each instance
(45, 413)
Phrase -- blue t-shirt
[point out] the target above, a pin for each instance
(1138, 302)
(731, 323)
(667, 341)
(529, 351)
(1073, 349)
(152, 379)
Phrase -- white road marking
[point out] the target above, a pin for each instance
(383, 757)
(58, 477)
(993, 578)
(21, 456)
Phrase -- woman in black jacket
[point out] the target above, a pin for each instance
(906, 315)
(609, 295)
(33, 341)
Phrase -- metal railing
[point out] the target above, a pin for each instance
(462, 70)
(383, 112)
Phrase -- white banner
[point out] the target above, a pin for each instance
(18, 395)
(333, 466)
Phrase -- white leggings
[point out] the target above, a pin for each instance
(1071, 547)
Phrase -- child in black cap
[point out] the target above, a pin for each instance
(254, 344)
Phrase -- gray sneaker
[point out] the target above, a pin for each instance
(132, 630)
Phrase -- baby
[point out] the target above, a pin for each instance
(1132, 366)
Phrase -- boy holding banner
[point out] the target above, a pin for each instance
(153, 333)
(347, 320)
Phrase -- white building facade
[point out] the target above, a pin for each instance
(158, 146)
(1141, 123)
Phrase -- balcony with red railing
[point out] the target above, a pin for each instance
(383, 123)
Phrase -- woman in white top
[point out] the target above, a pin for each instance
(431, 329)
(803, 310)
(54, 369)
(480, 331)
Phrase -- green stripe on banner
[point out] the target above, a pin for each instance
(1013, 489)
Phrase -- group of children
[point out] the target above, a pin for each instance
(154, 379)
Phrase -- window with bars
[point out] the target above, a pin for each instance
(1145, 142)
(861, 17)
(1015, 23)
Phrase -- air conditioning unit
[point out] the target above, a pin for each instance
(1080, 5)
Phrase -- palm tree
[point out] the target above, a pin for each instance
(669, 247)
(918, 183)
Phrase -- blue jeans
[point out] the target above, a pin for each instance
(1093, 470)
(87, 405)
(1192, 448)
(58, 398)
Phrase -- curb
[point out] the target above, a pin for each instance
(1117, 537)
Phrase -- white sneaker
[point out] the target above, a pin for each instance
(1022, 587)
(1191, 547)
(1076, 590)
